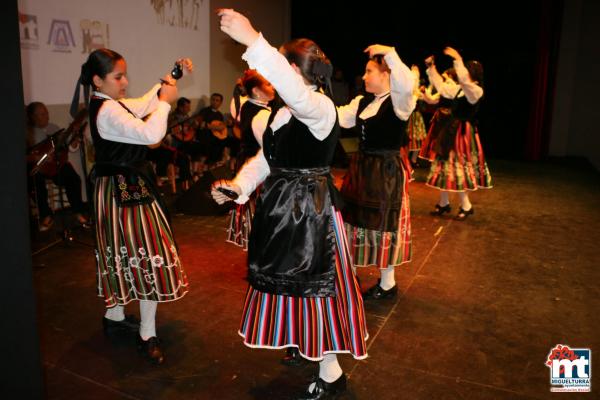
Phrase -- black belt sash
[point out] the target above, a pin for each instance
(292, 243)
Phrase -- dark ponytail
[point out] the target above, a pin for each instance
(314, 65)
(100, 62)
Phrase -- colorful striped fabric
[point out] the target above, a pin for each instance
(416, 130)
(136, 255)
(240, 223)
(383, 249)
(466, 168)
(315, 325)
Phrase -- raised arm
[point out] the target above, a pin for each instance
(402, 80)
(473, 92)
(117, 124)
(312, 108)
(448, 89)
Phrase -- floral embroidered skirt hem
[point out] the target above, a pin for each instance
(136, 254)
(315, 325)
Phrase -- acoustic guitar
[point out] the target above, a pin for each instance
(218, 129)
(185, 131)
(49, 156)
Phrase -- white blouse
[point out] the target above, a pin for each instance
(449, 88)
(312, 108)
(115, 123)
(402, 83)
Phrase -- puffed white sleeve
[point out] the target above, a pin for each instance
(142, 106)
(402, 83)
(117, 124)
(446, 89)
(312, 108)
(347, 113)
(473, 92)
(252, 174)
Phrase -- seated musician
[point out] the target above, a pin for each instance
(213, 130)
(56, 167)
(182, 134)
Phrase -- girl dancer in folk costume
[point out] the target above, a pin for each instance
(375, 189)
(302, 291)
(458, 163)
(253, 117)
(416, 125)
(136, 253)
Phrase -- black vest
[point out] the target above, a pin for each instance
(294, 146)
(384, 130)
(249, 145)
(465, 111)
(108, 151)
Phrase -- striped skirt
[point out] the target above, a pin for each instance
(315, 325)
(383, 249)
(465, 168)
(136, 255)
(240, 223)
(416, 130)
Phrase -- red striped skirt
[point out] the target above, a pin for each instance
(465, 168)
(315, 325)
(136, 254)
(416, 130)
(383, 249)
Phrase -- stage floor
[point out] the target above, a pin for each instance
(482, 304)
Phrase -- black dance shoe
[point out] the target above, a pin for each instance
(462, 214)
(151, 349)
(292, 357)
(130, 325)
(439, 210)
(379, 293)
(325, 390)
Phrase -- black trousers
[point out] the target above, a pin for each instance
(67, 178)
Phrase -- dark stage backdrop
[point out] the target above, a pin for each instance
(506, 40)
(21, 376)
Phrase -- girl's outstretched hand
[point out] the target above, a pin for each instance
(378, 49)
(221, 197)
(449, 51)
(237, 26)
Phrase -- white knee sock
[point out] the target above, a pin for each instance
(387, 278)
(464, 201)
(116, 313)
(444, 201)
(148, 317)
(329, 368)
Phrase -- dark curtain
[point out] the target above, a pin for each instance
(543, 88)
